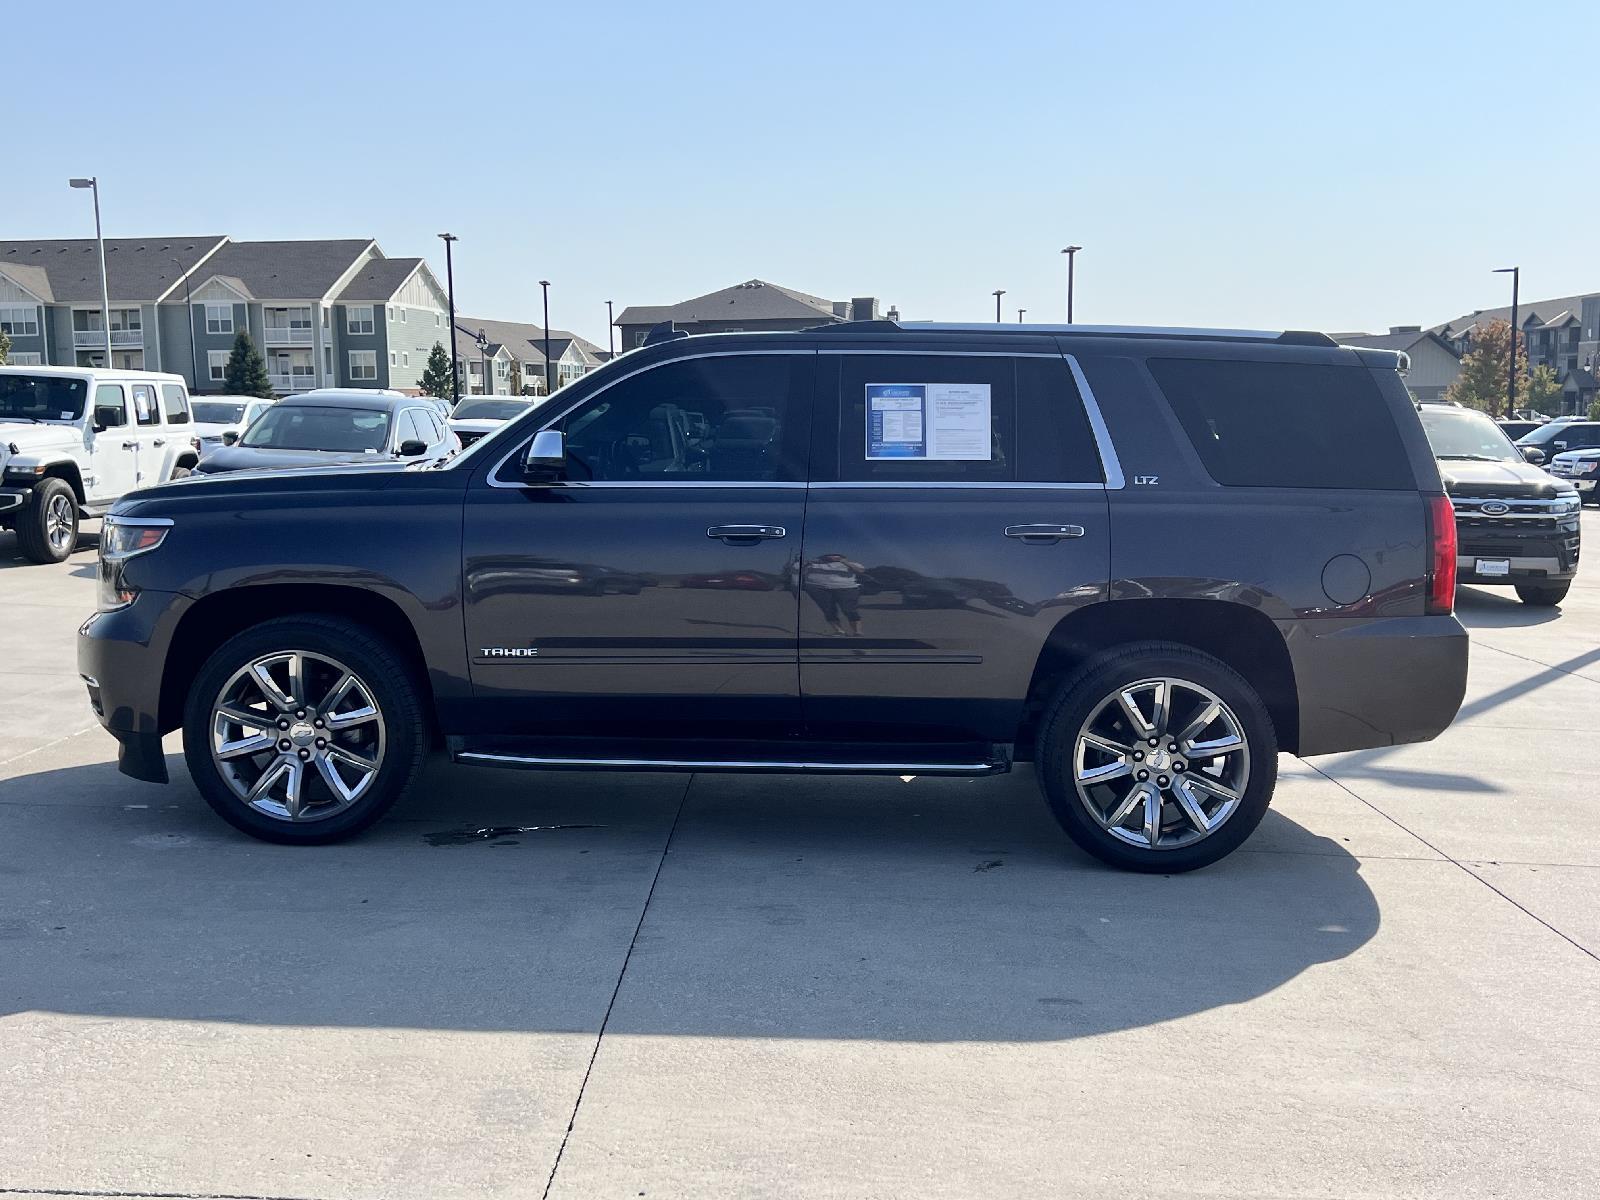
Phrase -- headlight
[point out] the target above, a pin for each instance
(122, 538)
(1584, 468)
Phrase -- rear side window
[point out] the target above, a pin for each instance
(1271, 424)
(144, 404)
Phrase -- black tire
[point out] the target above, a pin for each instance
(180, 473)
(396, 693)
(33, 525)
(1543, 595)
(1079, 696)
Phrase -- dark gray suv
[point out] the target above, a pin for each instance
(1147, 561)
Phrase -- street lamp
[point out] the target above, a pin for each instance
(611, 324)
(483, 362)
(450, 282)
(1072, 255)
(1511, 372)
(194, 358)
(1020, 311)
(93, 184)
(549, 379)
(998, 293)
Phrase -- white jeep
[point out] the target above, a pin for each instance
(73, 440)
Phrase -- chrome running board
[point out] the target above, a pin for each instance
(544, 762)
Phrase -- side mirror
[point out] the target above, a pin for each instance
(1533, 454)
(546, 459)
(230, 437)
(108, 417)
(412, 448)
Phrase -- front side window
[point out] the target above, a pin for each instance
(358, 318)
(363, 364)
(408, 429)
(733, 419)
(319, 427)
(145, 411)
(110, 406)
(41, 397)
(219, 318)
(175, 403)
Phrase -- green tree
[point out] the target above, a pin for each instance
(1482, 382)
(246, 372)
(1543, 391)
(437, 379)
(1594, 409)
(5, 346)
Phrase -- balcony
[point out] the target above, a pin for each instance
(288, 335)
(95, 339)
(292, 383)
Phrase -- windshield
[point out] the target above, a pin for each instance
(217, 412)
(491, 410)
(1466, 434)
(41, 398)
(304, 427)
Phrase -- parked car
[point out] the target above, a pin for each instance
(477, 416)
(1517, 429)
(75, 439)
(1582, 467)
(1147, 583)
(1517, 524)
(215, 416)
(1569, 433)
(335, 427)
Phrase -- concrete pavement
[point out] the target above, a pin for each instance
(747, 986)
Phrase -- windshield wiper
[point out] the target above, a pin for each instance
(1476, 457)
(20, 417)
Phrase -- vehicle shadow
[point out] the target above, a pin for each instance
(88, 544)
(936, 910)
(1480, 609)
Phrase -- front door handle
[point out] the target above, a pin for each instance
(737, 534)
(130, 445)
(159, 442)
(1043, 533)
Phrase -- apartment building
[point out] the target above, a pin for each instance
(752, 305)
(1562, 334)
(510, 355)
(336, 313)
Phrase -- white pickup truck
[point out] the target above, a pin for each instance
(73, 440)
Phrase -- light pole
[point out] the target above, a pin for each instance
(93, 184)
(1511, 372)
(1020, 311)
(611, 324)
(450, 283)
(194, 358)
(483, 362)
(998, 293)
(1072, 256)
(549, 379)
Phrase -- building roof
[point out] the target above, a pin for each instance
(137, 269)
(526, 342)
(378, 280)
(287, 270)
(1404, 340)
(1537, 311)
(753, 300)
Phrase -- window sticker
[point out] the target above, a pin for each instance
(949, 421)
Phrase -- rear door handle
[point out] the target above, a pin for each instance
(130, 445)
(1043, 533)
(734, 534)
(159, 442)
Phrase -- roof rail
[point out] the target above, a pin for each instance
(1291, 337)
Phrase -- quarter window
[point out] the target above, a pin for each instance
(175, 402)
(219, 318)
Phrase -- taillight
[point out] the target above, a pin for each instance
(1441, 555)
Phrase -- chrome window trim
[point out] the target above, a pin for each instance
(1110, 464)
(977, 485)
(943, 353)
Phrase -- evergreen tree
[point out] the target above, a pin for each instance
(437, 379)
(246, 372)
(5, 346)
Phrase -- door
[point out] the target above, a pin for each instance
(115, 446)
(958, 512)
(650, 593)
(148, 434)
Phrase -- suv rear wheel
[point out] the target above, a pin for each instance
(303, 729)
(47, 531)
(1543, 595)
(1156, 757)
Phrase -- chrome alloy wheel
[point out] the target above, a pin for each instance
(297, 736)
(58, 522)
(1161, 763)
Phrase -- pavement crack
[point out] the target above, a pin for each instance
(1456, 862)
(605, 1020)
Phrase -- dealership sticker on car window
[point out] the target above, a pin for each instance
(929, 421)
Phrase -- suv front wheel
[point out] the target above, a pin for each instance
(1156, 757)
(303, 729)
(47, 530)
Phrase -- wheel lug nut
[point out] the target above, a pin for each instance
(1178, 766)
(304, 754)
(1138, 756)
(301, 713)
(284, 744)
(322, 743)
(319, 722)
(283, 723)
(1143, 775)
(1173, 749)
(1154, 742)
(1163, 780)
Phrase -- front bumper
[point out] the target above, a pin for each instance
(12, 499)
(1375, 681)
(121, 657)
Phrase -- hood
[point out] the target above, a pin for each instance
(215, 429)
(474, 424)
(29, 437)
(1463, 477)
(250, 458)
(1577, 455)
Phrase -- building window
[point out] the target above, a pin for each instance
(364, 363)
(217, 361)
(19, 358)
(402, 316)
(438, 319)
(405, 358)
(391, 313)
(19, 322)
(358, 318)
(327, 362)
(394, 359)
(324, 318)
(219, 318)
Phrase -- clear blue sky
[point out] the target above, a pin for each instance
(1338, 167)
